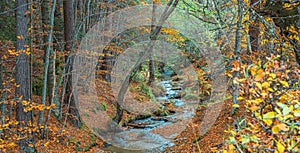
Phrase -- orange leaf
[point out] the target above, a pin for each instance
(260, 75)
(236, 65)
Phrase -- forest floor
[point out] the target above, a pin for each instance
(192, 139)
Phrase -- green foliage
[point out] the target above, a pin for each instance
(162, 111)
(37, 85)
(7, 21)
(144, 89)
(104, 106)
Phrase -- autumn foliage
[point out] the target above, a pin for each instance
(259, 42)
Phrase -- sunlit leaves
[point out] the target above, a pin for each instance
(272, 99)
(269, 115)
(280, 147)
(297, 112)
(284, 83)
(259, 75)
(20, 37)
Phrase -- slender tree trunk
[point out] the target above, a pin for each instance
(48, 50)
(57, 46)
(47, 28)
(48, 60)
(58, 28)
(237, 50)
(297, 43)
(69, 31)
(107, 60)
(151, 62)
(3, 106)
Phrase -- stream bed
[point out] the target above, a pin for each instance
(156, 133)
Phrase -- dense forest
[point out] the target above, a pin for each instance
(150, 76)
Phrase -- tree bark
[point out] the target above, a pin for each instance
(22, 64)
(49, 77)
(297, 43)
(69, 31)
(3, 106)
(151, 62)
(46, 19)
(237, 50)
(22, 70)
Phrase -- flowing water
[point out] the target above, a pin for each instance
(151, 134)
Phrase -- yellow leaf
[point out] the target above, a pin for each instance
(214, 149)
(231, 148)
(297, 112)
(235, 105)
(258, 101)
(272, 75)
(288, 116)
(269, 115)
(253, 70)
(270, 79)
(47, 143)
(265, 85)
(229, 75)
(12, 144)
(254, 108)
(284, 83)
(233, 132)
(270, 89)
(20, 37)
(280, 147)
(275, 129)
(259, 86)
(240, 98)
(242, 80)
(257, 114)
(268, 122)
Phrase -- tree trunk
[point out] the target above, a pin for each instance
(22, 64)
(3, 106)
(22, 70)
(237, 50)
(58, 28)
(69, 31)
(107, 65)
(48, 22)
(151, 62)
(47, 28)
(297, 43)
